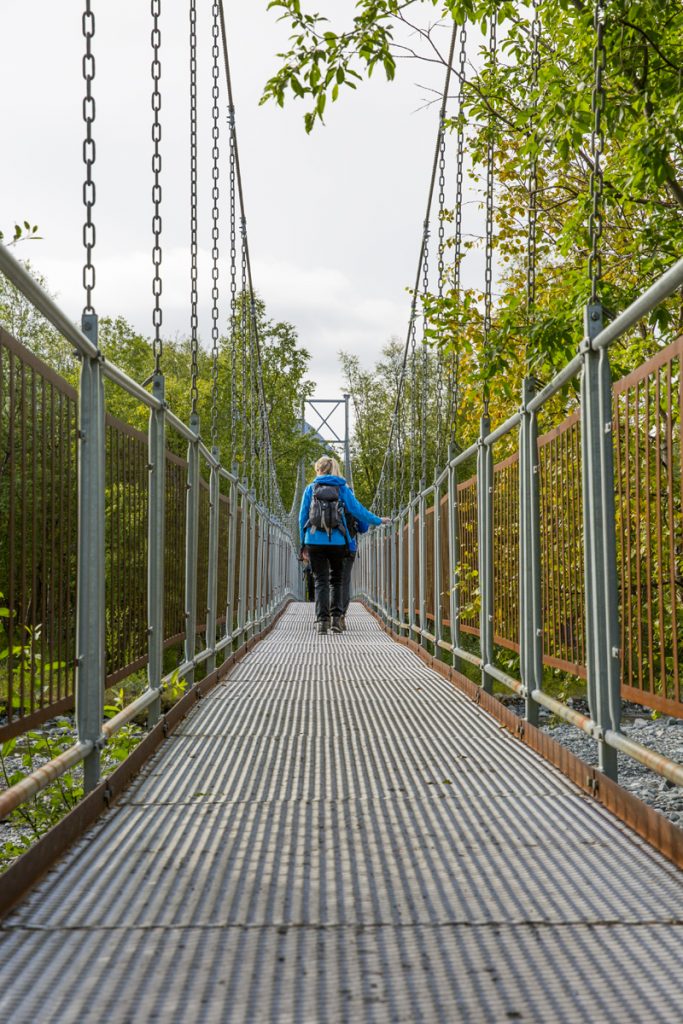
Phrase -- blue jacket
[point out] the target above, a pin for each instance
(352, 508)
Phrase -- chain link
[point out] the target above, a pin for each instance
(194, 319)
(597, 149)
(488, 267)
(533, 166)
(88, 23)
(157, 316)
(215, 197)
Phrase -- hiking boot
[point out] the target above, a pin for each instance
(323, 625)
(337, 626)
(342, 623)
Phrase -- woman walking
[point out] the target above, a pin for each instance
(326, 507)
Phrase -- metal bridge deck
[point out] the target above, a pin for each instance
(336, 834)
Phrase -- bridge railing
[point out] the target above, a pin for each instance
(567, 554)
(116, 548)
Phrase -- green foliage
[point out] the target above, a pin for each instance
(23, 232)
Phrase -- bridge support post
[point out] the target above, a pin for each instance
(411, 567)
(90, 612)
(530, 608)
(212, 582)
(395, 537)
(401, 575)
(232, 543)
(260, 565)
(422, 558)
(438, 652)
(156, 528)
(485, 521)
(244, 541)
(600, 559)
(251, 573)
(191, 546)
(453, 555)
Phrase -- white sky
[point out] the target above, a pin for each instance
(334, 218)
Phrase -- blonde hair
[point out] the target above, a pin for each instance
(327, 466)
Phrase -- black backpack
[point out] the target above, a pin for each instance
(326, 512)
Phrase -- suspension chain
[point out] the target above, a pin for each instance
(533, 167)
(441, 275)
(88, 23)
(215, 197)
(244, 411)
(488, 268)
(425, 362)
(597, 149)
(233, 288)
(156, 188)
(457, 242)
(194, 320)
(413, 394)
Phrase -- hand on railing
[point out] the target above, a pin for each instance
(386, 520)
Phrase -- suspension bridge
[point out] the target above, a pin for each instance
(349, 827)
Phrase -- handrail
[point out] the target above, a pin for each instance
(26, 283)
(597, 517)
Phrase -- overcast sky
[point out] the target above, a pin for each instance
(334, 218)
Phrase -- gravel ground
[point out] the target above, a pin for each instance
(663, 734)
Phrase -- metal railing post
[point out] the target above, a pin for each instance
(453, 556)
(212, 576)
(422, 554)
(232, 543)
(260, 566)
(395, 533)
(191, 546)
(530, 608)
(156, 528)
(244, 541)
(90, 613)
(438, 652)
(600, 560)
(251, 605)
(411, 568)
(485, 522)
(401, 574)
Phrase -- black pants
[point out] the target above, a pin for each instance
(346, 581)
(327, 563)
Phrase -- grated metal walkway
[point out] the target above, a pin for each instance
(336, 834)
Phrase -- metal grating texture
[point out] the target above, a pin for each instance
(336, 834)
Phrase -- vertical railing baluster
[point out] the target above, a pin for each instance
(485, 522)
(90, 615)
(600, 559)
(156, 530)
